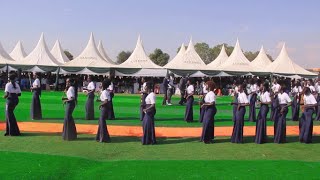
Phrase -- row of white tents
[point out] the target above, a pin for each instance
(94, 60)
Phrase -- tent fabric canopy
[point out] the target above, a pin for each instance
(104, 54)
(58, 53)
(221, 58)
(262, 60)
(174, 62)
(5, 58)
(18, 53)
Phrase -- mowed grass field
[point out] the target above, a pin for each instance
(46, 156)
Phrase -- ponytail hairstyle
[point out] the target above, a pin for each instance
(12, 77)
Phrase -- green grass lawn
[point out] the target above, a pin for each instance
(126, 110)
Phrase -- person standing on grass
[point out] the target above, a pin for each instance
(210, 110)
(275, 103)
(280, 116)
(182, 87)
(237, 133)
(90, 99)
(103, 134)
(111, 115)
(170, 90)
(189, 105)
(234, 103)
(12, 92)
(202, 94)
(296, 92)
(253, 99)
(317, 109)
(306, 123)
(36, 113)
(261, 124)
(69, 131)
(149, 134)
(165, 84)
(144, 94)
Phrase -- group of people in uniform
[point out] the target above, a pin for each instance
(274, 99)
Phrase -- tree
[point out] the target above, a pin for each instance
(205, 52)
(123, 56)
(158, 57)
(68, 54)
(216, 49)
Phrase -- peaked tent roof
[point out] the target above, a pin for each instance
(173, 62)
(89, 57)
(40, 56)
(284, 65)
(58, 53)
(237, 62)
(18, 52)
(190, 60)
(4, 56)
(262, 60)
(221, 58)
(139, 59)
(103, 53)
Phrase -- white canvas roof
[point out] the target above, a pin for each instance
(237, 62)
(103, 53)
(4, 56)
(177, 58)
(262, 60)
(190, 60)
(90, 57)
(58, 53)
(284, 65)
(221, 58)
(139, 59)
(18, 52)
(40, 55)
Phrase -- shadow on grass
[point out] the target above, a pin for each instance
(40, 134)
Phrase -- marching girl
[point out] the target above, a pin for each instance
(149, 134)
(69, 131)
(90, 99)
(296, 92)
(189, 105)
(253, 99)
(144, 94)
(210, 110)
(201, 99)
(318, 101)
(306, 123)
(234, 103)
(237, 133)
(280, 116)
(12, 92)
(261, 126)
(274, 101)
(35, 110)
(103, 134)
(111, 115)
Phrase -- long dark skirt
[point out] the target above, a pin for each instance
(295, 110)
(90, 107)
(274, 106)
(143, 105)
(318, 109)
(306, 126)
(12, 128)
(252, 108)
(202, 111)
(237, 133)
(103, 134)
(111, 111)
(165, 96)
(261, 127)
(208, 124)
(149, 134)
(280, 125)
(35, 111)
(69, 131)
(189, 110)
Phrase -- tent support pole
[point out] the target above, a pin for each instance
(57, 79)
(7, 70)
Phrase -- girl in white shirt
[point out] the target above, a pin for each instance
(102, 133)
(69, 131)
(306, 122)
(237, 133)
(280, 116)
(296, 92)
(189, 105)
(209, 108)
(90, 99)
(111, 115)
(149, 134)
(253, 99)
(143, 97)
(261, 126)
(274, 94)
(35, 112)
(12, 92)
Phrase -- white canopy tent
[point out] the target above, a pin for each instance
(58, 53)
(139, 64)
(18, 52)
(5, 59)
(262, 60)
(89, 61)
(104, 54)
(173, 62)
(283, 65)
(221, 58)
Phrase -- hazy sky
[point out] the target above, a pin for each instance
(166, 24)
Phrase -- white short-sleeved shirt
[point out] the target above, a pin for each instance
(91, 86)
(236, 90)
(190, 89)
(110, 88)
(204, 89)
(242, 98)
(144, 87)
(71, 93)
(36, 83)
(254, 88)
(297, 89)
(210, 97)
(284, 98)
(312, 89)
(10, 89)
(317, 86)
(151, 98)
(265, 97)
(309, 99)
(275, 88)
(105, 95)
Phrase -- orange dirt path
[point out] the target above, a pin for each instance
(115, 130)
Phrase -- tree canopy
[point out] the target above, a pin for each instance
(159, 57)
(123, 56)
(68, 54)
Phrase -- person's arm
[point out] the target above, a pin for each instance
(6, 94)
(152, 106)
(105, 102)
